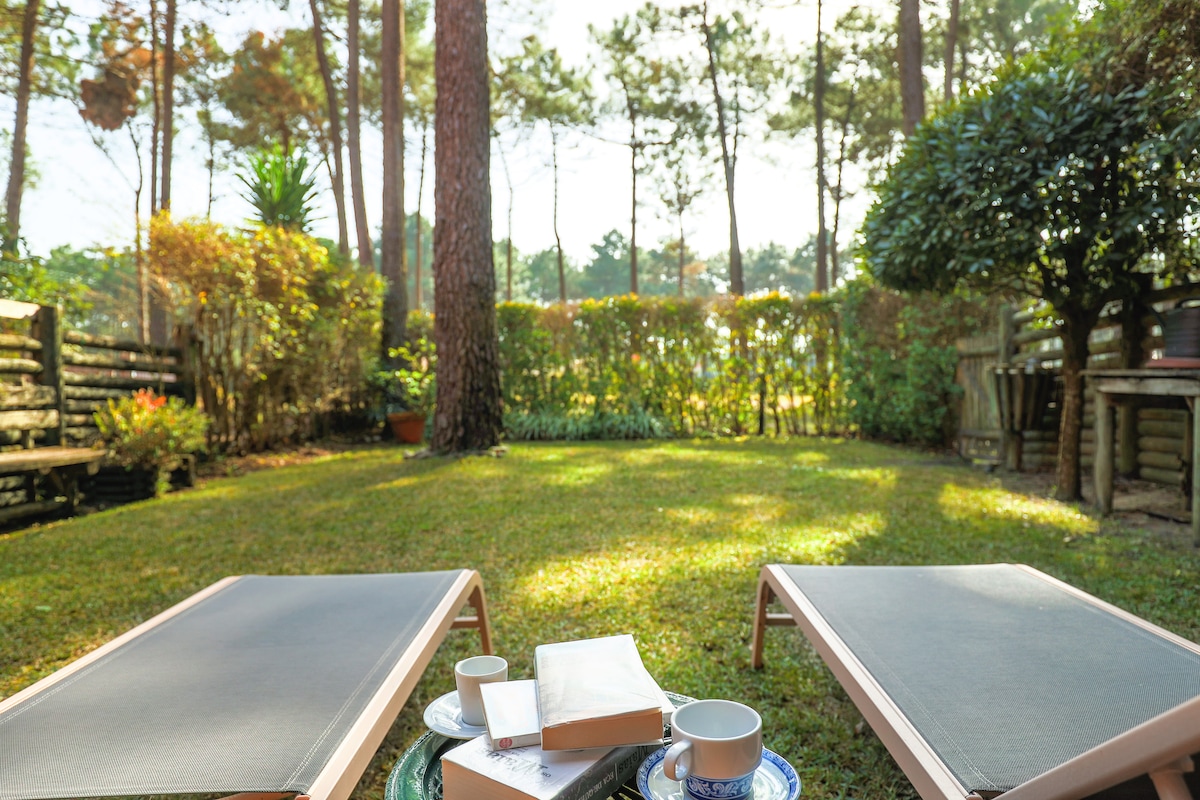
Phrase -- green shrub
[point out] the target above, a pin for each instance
(900, 361)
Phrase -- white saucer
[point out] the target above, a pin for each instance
(774, 780)
(444, 716)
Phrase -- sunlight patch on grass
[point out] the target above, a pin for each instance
(580, 474)
(959, 502)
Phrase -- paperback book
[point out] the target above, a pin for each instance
(510, 710)
(597, 693)
(472, 771)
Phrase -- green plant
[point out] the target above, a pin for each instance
(412, 387)
(148, 430)
(280, 188)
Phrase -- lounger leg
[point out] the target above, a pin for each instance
(765, 596)
(480, 620)
(1169, 783)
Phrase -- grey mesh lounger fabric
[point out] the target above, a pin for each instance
(985, 679)
(256, 684)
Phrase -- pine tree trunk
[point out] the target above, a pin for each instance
(562, 273)
(417, 245)
(468, 415)
(912, 85)
(168, 104)
(335, 127)
(391, 255)
(508, 244)
(633, 151)
(682, 251)
(822, 276)
(948, 52)
(16, 172)
(366, 249)
(737, 285)
(156, 107)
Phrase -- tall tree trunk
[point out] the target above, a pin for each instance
(633, 169)
(948, 51)
(417, 248)
(838, 193)
(468, 415)
(508, 245)
(421, 194)
(366, 249)
(562, 273)
(211, 164)
(682, 250)
(737, 285)
(168, 104)
(156, 106)
(391, 245)
(912, 85)
(822, 276)
(16, 172)
(139, 258)
(335, 126)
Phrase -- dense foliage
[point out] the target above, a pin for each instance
(634, 367)
(284, 331)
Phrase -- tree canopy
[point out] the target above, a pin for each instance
(1064, 180)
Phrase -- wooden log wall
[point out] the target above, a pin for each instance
(1155, 437)
(97, 369)
(53, 380)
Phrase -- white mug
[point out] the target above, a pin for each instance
(468, 675)
(716, 749)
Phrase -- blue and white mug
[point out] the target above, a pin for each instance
(716, 749)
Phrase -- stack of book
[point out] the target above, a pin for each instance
(577, 732)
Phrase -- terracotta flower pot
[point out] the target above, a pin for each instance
(407, 426)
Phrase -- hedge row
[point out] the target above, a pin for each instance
(859, 360)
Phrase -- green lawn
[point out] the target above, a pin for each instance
(661, 540)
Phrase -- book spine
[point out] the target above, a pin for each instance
(608, 774)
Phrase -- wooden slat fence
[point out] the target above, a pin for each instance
(52, 380)
(1149, 441)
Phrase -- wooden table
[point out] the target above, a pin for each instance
(1114, 387)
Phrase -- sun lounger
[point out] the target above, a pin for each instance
(275, 685)
(989, 679)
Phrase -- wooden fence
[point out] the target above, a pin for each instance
(52, 380)
(1011, 390)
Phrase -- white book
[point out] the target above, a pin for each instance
(472, 771)
(597, 693)
(510, 710)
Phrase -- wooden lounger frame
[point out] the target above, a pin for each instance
(1160, 747)
(348, 762)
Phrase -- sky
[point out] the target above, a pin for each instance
(85, 198)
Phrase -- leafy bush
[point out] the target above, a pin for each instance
(900, 360)
(287, 331)
(147, 430)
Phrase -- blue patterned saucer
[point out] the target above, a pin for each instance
(774, 780)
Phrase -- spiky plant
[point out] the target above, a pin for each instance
(281, 188)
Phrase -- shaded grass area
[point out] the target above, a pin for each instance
(663, 540)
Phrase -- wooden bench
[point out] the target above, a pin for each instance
(38, 475)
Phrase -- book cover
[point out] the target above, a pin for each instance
(472, 771)
(510, 710)
(595, 693)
